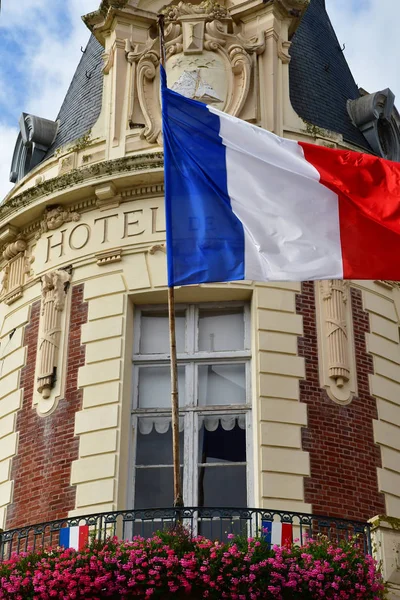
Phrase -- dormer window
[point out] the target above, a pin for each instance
(34, 140)
(376, 117)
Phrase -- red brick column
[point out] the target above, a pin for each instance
(340, 440)
(42, 468)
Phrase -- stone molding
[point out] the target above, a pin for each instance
(106, 258)
(151, 161)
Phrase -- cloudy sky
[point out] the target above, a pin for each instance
(40, 43)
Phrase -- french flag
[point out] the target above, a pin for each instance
(242, 203)
(277, 534)
(74, 537)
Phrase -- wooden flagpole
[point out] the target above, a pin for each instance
(178, 497)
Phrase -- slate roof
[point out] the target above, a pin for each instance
(320, 78)
(82, 104)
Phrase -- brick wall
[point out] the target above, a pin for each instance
(340, 440)
(47, 446)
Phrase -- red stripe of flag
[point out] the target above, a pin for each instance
(83, 536)
(287, 534)
(368, 189)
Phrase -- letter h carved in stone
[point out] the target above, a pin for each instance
(336, 340)
(54, 290)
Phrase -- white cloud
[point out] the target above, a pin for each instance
(8, 135)
(49, 39)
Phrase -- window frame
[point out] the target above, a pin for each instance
(192, 411)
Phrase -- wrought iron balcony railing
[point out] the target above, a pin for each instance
(214, 523)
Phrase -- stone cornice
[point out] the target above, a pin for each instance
(100, 21)
(130, 164)
(293, 9)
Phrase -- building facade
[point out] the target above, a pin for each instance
(289, 392)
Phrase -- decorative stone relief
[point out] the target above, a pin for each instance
(54, 218)
(112, 256)
(204, 62)
(158, 248)
(144, 61)
(336, 342)
(67, 163)
(15, 270)
(54, 289)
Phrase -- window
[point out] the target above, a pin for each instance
(214, 399)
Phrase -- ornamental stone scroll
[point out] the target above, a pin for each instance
(336, 356)
(54, 290)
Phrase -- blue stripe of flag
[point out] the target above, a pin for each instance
(205, 239)
(266, 533)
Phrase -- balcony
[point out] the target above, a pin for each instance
(214, 523)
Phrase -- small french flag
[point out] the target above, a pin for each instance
(74, 537)
(276, 533)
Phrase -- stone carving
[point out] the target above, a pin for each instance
(144, 63)
(54, 218)
(335, 300)
(204, 61)
(191, 85)
(211, 9)
(15, 269)
(14, 248)
(54, 289)
(158, 248)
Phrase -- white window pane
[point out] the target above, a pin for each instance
(222, 384)
(154, 332)
(221, 330)
(155, 387)
(155, 448)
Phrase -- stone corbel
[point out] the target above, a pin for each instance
(54, 290)
(158, 248)
(107, 196)
(283, 50)
(337, 369)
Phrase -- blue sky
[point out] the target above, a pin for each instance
(40, 43)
